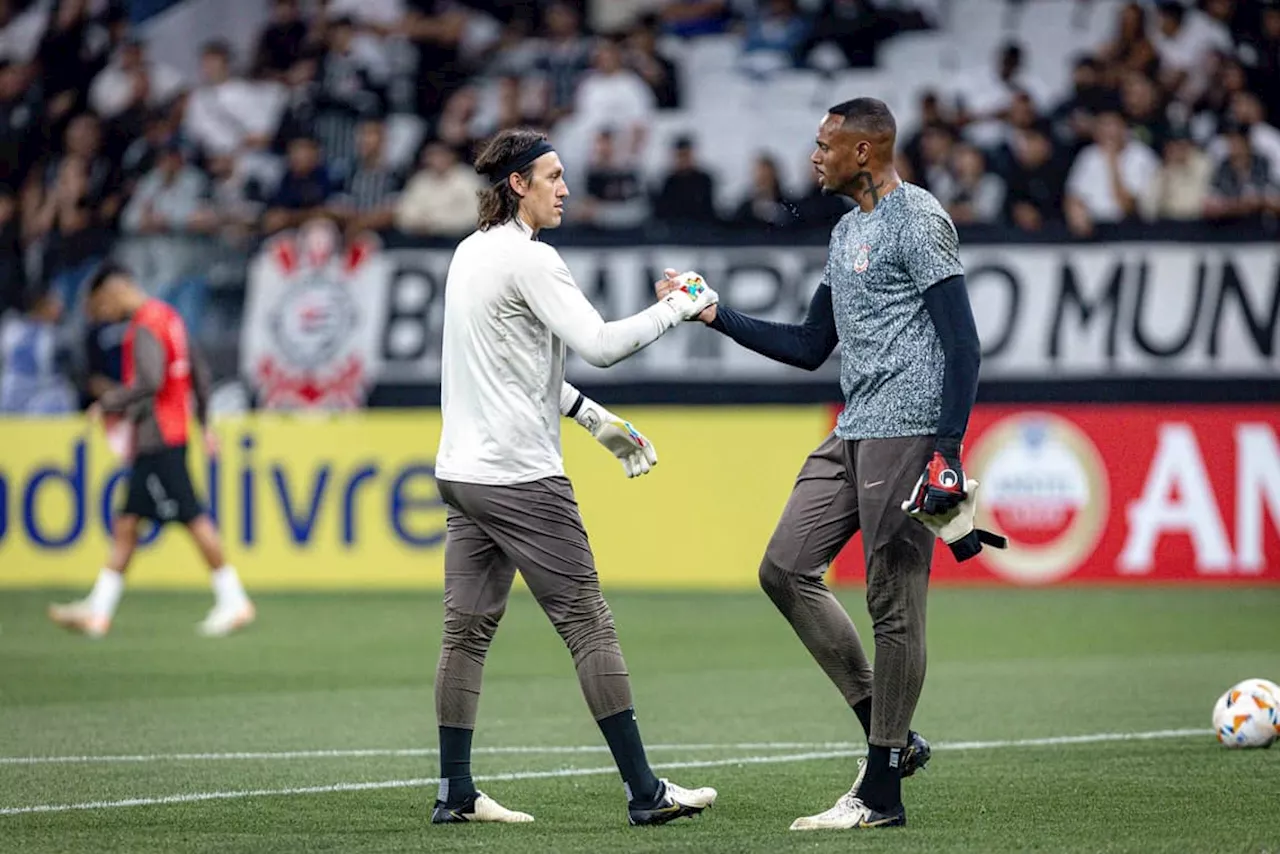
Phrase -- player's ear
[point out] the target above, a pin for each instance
(517, 184)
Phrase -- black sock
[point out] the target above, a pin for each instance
(456, 784)
(623, 735)
(863, 710)
(881, 789)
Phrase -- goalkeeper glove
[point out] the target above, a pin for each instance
(692, 297)
(941, 486)
(955, 526)
(620, 438)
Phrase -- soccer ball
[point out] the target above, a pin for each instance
(1248, 714)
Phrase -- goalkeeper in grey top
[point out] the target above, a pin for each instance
(511, 312)
(894, 300)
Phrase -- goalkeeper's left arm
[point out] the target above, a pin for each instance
(617, 435)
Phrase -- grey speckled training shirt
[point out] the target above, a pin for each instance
(879, 265)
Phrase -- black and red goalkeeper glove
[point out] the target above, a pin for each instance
(941, 487)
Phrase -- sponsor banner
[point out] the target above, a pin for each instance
(1099, 494)
(1069, 311)
(349, 500)
(314, 311)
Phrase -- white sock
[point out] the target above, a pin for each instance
(106, 592)
(227, 590)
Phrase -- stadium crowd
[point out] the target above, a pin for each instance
(105, 150)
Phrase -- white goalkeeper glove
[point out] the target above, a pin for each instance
(617, 435)
(955, 526)
(692, 297)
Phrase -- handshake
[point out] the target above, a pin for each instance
(688, 294)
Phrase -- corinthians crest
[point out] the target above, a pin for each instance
(314, 307)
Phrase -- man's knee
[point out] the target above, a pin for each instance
(585, 624)
(775, 580)
(470, 634)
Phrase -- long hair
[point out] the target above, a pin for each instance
(498, 202)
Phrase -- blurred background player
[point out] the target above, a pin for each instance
(161, 374)
(894, 299)
(511, 307)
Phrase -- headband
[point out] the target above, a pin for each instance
(518, 162)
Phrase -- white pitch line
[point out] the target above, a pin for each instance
(574, 749)
(422, 782)
(397, 752)
(419, 782)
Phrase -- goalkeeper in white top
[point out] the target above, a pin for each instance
(512, 309)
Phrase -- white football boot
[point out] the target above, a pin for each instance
(77, 617)
(479, 807)
(673, 802)
(849, 812)
(222, 620)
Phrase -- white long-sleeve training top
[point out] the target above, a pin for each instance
(510, 308)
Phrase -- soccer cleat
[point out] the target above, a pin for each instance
(672, 802)
(223, 620)
(916, 755)
(850, 813)
(478, 807)
(77, 617)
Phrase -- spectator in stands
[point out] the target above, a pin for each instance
(143, 152)
(436, 28)
(371, 190)
(19, 124)
(1108, 177)
(347, 91)
(1212, 109)
(687, 196)
(775, 35)
(227, 114)
(72, 205)
(1181, 187)
(856, 27)
(971, 194)
(512, 108)
(1246, 114)
(1242, 188)
(441, 199)
(564, 59)
(1073, 118)
(1144, 110)
(13, 270)
(615, 196)
(31, 383)
(1183, 39)
(131, 81)
(1263, 44)
(986, 96)
(644, 58)
(1130, 49)
(766, 206)
(931, 113)
(22, 25)
(456, 125)
(611, 94)
(936, 142)
(691, 18)
(281, 43)
(301, 102)
(170, 199)
(1033, 182)
(304, 190)
(72, 51)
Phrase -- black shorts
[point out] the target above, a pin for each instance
(160, 488)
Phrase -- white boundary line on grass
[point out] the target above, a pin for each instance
(422, 782)
(572, 749)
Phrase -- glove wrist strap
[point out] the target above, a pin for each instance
(948, 447)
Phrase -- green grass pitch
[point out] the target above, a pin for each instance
(331, 695)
